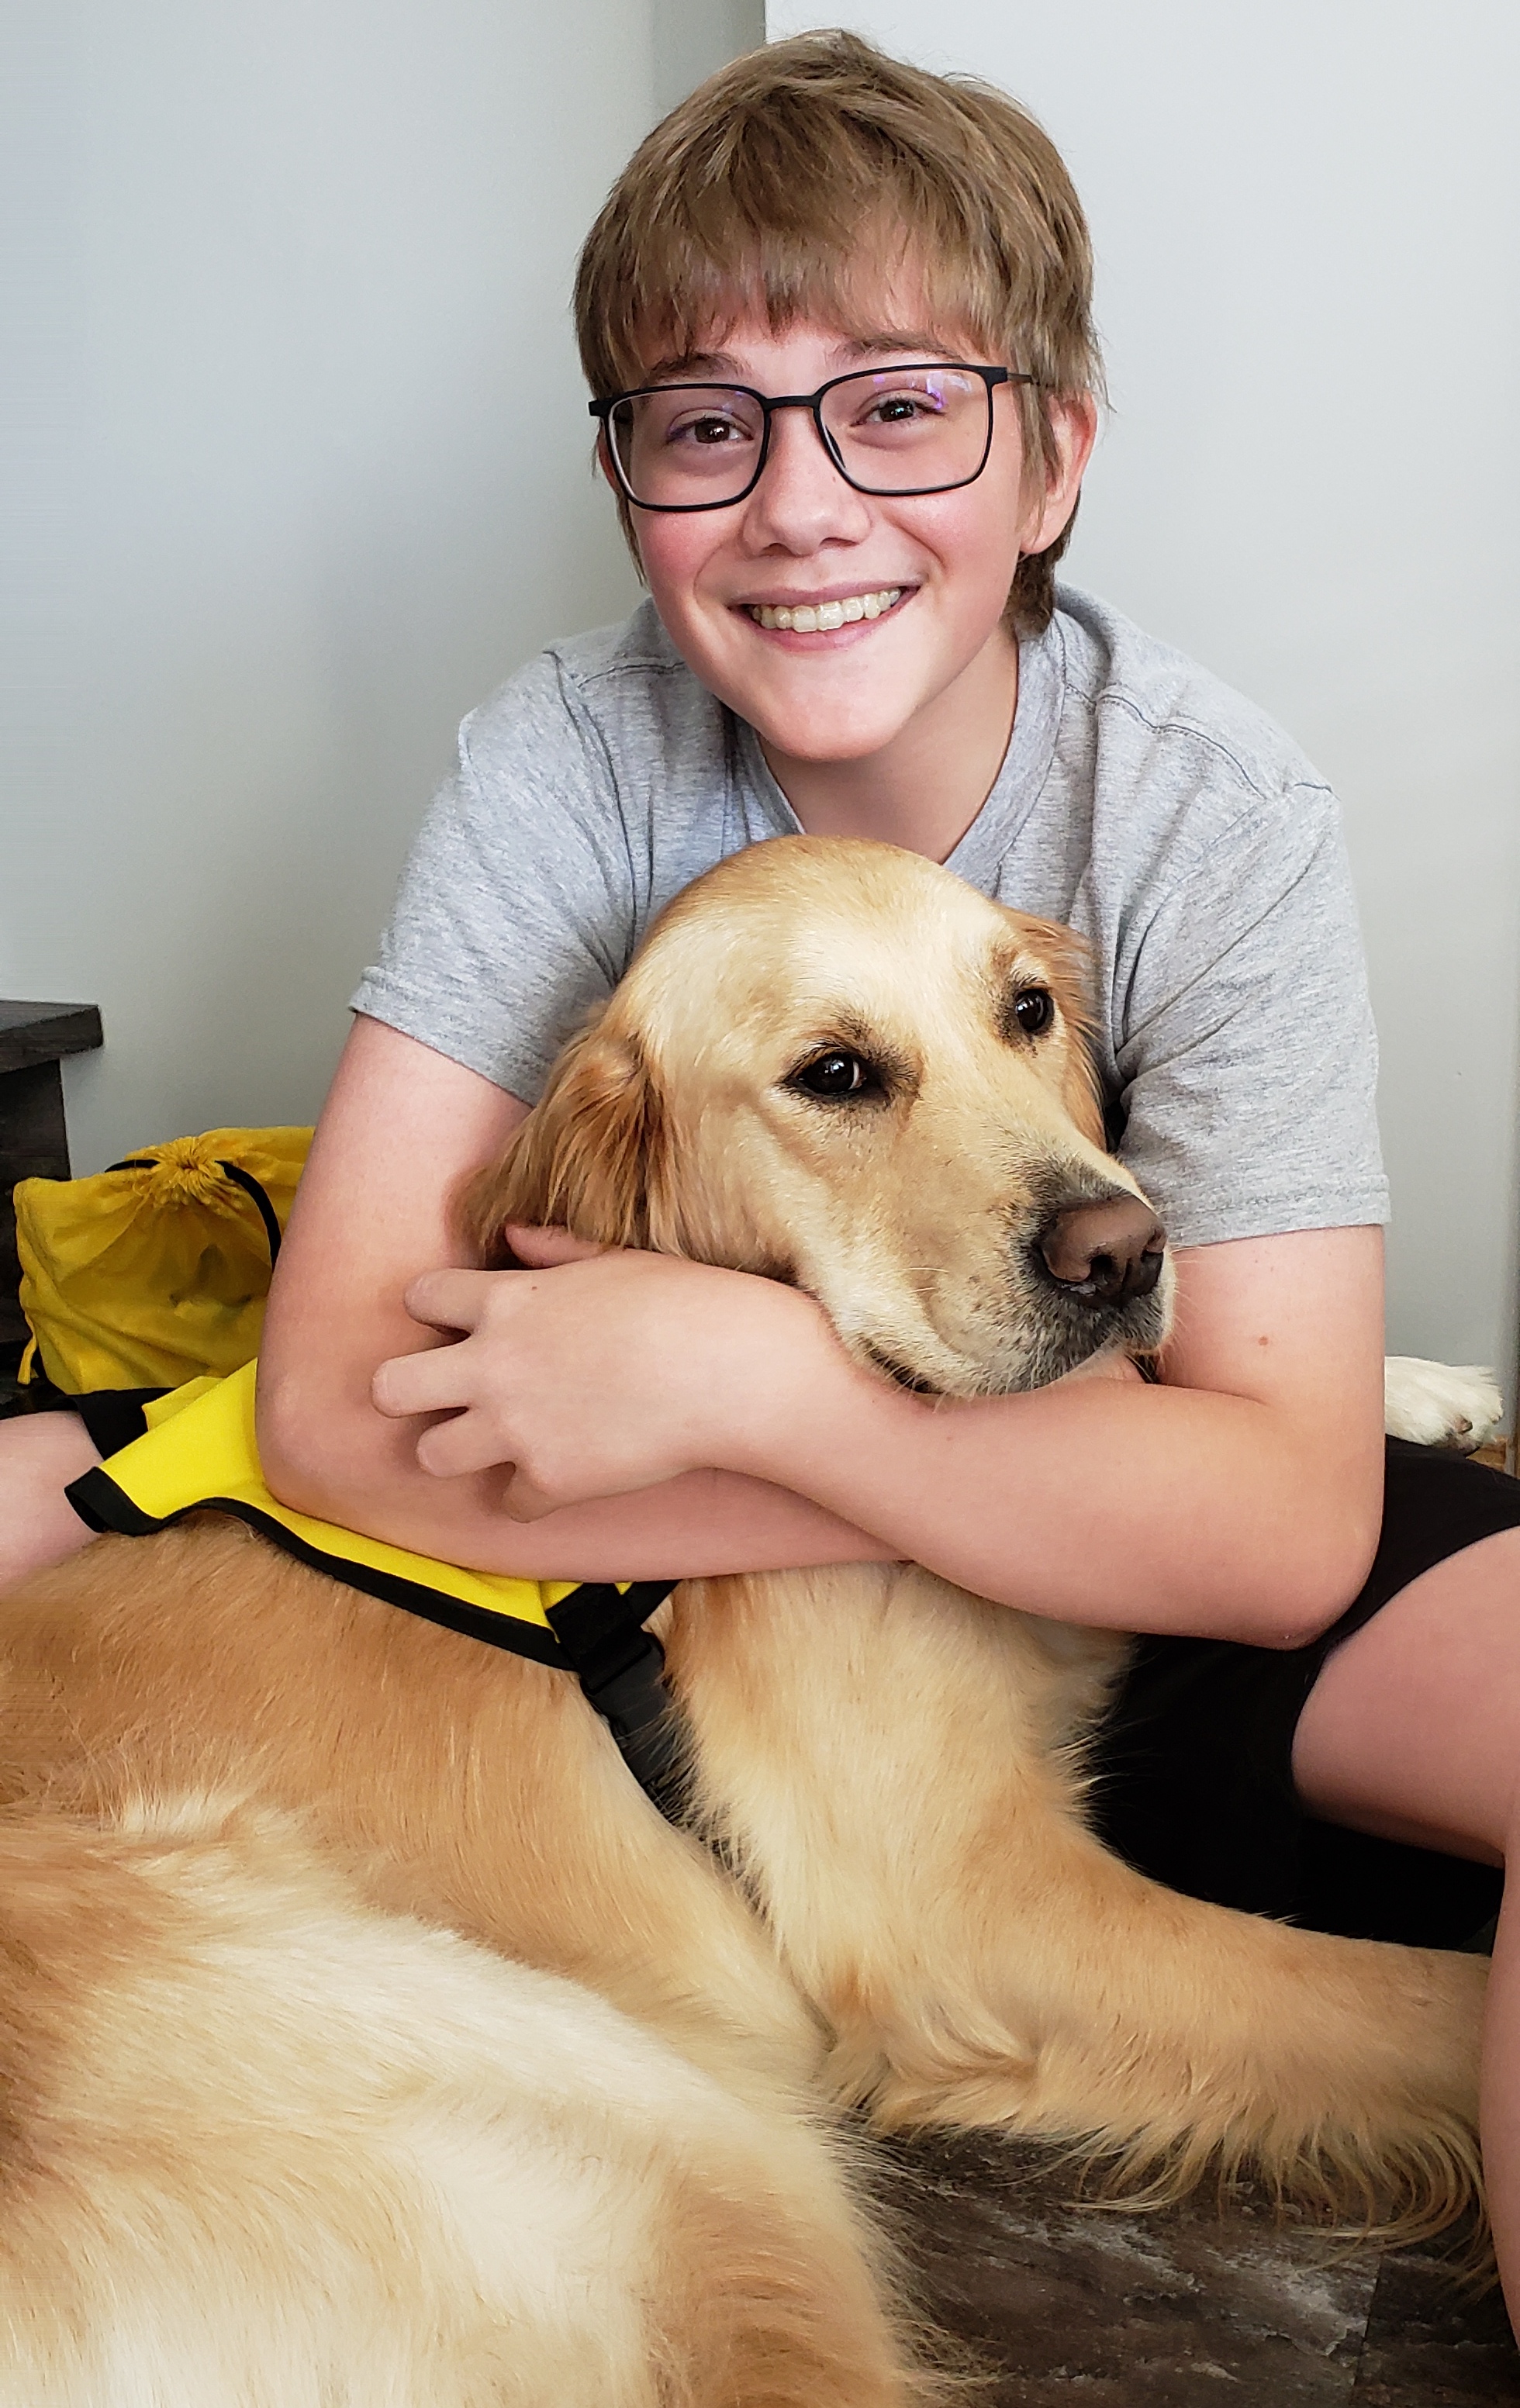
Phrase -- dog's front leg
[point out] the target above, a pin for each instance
(877, 1752)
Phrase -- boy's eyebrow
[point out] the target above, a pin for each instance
(897, 338)
(724, 368)
(720, 365)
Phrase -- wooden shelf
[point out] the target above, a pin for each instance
(31, 1032)
(34, 1142)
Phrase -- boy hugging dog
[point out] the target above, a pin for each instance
(835, 322)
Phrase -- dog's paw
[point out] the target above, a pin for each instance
(1440, 1404)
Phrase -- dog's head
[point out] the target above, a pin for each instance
(835, 1064)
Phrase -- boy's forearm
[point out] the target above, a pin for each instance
(353, 1467)
(1151, 1509)
(1097, 1502)
(702, 1525)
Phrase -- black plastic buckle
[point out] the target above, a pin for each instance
(620, 1667)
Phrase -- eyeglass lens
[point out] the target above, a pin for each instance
(891, 431)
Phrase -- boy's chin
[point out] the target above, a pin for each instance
(812, 732)
(839, 715)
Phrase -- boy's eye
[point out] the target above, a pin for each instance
(709, 430)
(901, 410)
(942, 415)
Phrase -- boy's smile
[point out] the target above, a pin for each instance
(857, 633)
(826, 612)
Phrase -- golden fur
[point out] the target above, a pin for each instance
(281, 2122)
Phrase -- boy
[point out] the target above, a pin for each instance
(835, 322)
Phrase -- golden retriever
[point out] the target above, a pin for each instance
(307, 2096)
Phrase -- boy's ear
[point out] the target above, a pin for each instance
(1073, 423)
(625, 515)
(589, 1157)
(604, 462)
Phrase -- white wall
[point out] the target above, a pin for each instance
(693, 38)
(1309, 241)
(301, 471)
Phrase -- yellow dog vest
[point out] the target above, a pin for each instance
(199, 1454)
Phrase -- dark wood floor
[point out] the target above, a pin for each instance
(1189, 2308)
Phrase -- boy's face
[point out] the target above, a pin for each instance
(804, 537)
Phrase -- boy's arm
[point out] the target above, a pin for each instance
(1240, 1500)
(401, 1128)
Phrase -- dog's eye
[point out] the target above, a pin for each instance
(836, 1073)
(1033, 1010)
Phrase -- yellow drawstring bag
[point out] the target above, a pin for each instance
(156, 1271)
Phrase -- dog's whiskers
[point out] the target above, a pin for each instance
(899, 1372)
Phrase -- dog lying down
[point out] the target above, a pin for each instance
(365, 2034)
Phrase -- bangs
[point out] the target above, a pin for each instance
(801, 180)
(886, 280)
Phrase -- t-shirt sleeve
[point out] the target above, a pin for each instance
(1247, 1054)
(515, 912)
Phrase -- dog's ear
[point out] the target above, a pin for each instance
(1071, 959)
(1066, 960)
(589, 1157)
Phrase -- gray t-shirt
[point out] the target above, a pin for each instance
(1141, 800)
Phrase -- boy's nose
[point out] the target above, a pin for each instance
(801, 499)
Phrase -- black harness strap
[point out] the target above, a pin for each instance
(597, 1632)
(620, 1667)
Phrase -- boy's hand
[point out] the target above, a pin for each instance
(598, 1371)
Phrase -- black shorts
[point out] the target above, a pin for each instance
(1194, 1764)
(112, 1417)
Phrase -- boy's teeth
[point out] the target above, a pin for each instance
(809, 618)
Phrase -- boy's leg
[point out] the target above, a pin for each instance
(39, 1455)
(1412, 1731)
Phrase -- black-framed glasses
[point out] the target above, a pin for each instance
(921, 429)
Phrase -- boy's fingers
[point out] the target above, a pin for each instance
(459, 1445)
(523, 1503)
(449, 1299)
(543, 1249)
(418, 1384)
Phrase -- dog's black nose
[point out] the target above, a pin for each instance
(1104, 1254)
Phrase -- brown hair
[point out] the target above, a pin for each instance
(778, 182)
